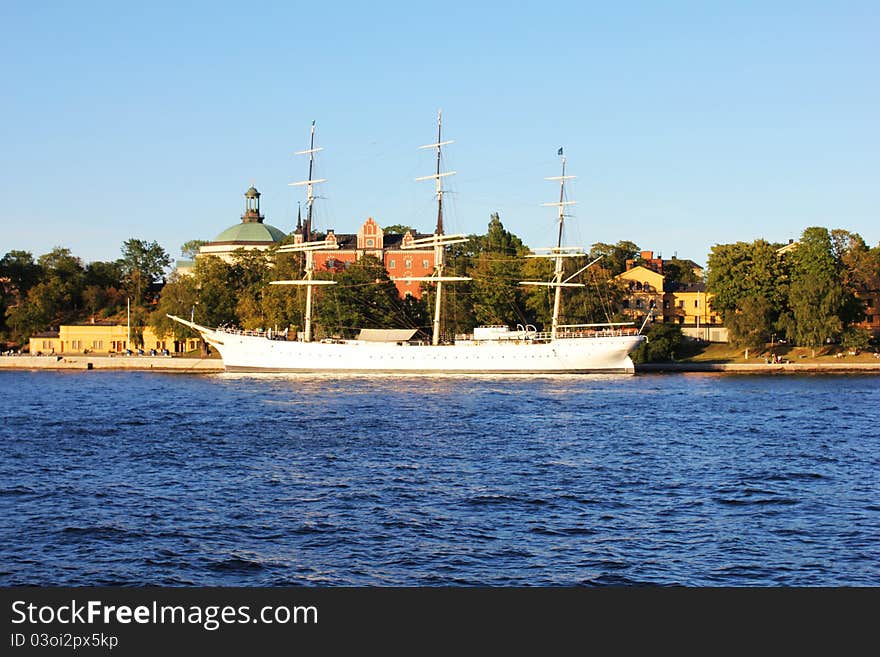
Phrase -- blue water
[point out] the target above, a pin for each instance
(699, 480)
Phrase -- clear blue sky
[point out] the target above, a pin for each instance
(687, 123)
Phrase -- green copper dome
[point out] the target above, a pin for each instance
(251, 232)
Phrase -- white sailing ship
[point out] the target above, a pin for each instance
(565, 348)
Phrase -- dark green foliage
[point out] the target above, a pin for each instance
(21, 271)
(497, 271)
(855, 339)
(752, 323)
(614, 256)
(18, 274)
(818, 299)
(55, 299)
(598, 301)
(364, 297)
(679, 271)
(191, 248)
(179, 297)
(750, 284)
(664, 341)
(397, 229)
(142, 263)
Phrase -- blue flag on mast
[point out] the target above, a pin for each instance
(560, 151)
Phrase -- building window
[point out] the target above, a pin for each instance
(681, 320)
(97, 344)
(425, 264)
(870, 319)
(681, 304)
(626, 303)
(666, 305)
(696, 303)
(391, 264)
(638, 303)
(407, 263)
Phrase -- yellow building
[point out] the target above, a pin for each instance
(687, 304)
(104, 339)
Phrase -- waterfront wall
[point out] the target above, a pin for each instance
(157, 363)
(762, 368)
(183, 365)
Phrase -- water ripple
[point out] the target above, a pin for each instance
(117, 478)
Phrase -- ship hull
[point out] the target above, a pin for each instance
(252, 353)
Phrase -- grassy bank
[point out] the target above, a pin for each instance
(694, 352)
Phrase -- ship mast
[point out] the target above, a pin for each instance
(307, 246)
(307, 229)
(438, 240)
(558, 253)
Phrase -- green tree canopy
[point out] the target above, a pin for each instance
(818, 298)
(180, 296)
(663, 342)
(19, 272)
(364, 297)
(55, 299)
(749, 283)
(142, 263)
(614, 256)
(679, 271)
(191, 248)
(397, 229)
(498, 297)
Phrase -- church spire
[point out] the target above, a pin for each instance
(299, 218)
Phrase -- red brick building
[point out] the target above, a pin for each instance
(371, 240)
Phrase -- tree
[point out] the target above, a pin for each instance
(818, 298)
(179, 297)
(496, 273)
(284, 305)
(19, 273)
(679, 271)
(749, 282)
(614, 256)
(364, 297)
(752, 323)
(663, 340)
(859, 271)
(103, 294)
(142, 263)
(251, 275)
(855, 339)
(597, 301)
(104, 274)
(40, 310)
(397, 229)
(216, 296)
(190, 249)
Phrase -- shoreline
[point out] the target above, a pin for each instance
(132, 363)
(762, 368)
(214, 365)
